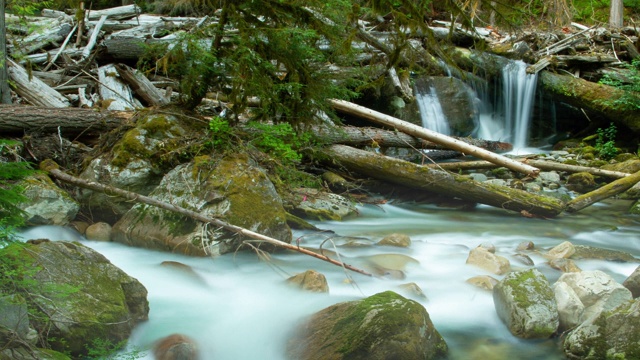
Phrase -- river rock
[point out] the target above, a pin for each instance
(483, 281)
(611, 334)
(489, 261)
(562, 251)
(100, 231)
(564, 265)
(175, 347)
(382, 326)
(570, 308)
(81, 294)
(581, 182)
(311, 281)
(596, 290)
(396, 239)
(47, 204)
(630, 166)
(136, 162)
(525, 302)
(591, 252)
(233, 189)
(319, 205)
(633, 283)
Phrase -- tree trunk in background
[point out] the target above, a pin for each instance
(615, 16)
(5, 93)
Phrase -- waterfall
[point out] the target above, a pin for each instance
(504, 111)
(518, 94)
(431, 113)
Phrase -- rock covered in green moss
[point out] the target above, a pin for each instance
(79, 295)
(233, 189)
(137, 161)
(610, 335)
(319, 205)
(47, 203)
(525, 302)
(382, 326)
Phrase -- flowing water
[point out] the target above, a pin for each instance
(238, 307)
(504, 116)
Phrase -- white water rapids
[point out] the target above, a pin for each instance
(240, 308)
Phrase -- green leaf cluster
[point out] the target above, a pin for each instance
(605, 142)
(281, 141)
(11, 216)
(631, 86)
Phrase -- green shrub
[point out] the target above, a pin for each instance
(605, 142)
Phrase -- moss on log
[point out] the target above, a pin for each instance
(444, 183)
(617, 105)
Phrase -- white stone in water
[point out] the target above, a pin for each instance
(100, 231)
(486, 260)
(570, 308)
(564, 250)
(597, 291)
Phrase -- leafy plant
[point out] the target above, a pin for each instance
(221, 132)
(107, 350)
(631, 85)
(605, 142)
(280, 140)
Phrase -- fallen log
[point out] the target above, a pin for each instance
(69, 121)
(604, 192)
(142, 86)
(33, 89)
(442, 182)
(420, 132)
(53, 169)
(351, 135)
(540, 164)
(606, 101)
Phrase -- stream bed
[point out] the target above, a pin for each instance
(238, 307)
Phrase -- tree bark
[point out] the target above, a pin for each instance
(52, 168)
(602, 193)
(423, 133)
(70, 121)
(616, 14)
(443, 183)
(34, 90)
(5, 93)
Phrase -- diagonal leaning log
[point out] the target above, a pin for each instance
(52, 168)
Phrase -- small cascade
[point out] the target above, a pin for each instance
(518, 95)
(433, 117)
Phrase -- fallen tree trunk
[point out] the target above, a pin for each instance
(351, 135)
(52, 168)
(423, 133)
(443, 183)
(607, 101)
(540, 164)
(602, 193)
(34, 90)
(69, 121)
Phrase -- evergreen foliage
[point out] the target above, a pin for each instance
(11, 216)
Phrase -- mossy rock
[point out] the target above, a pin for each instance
(629, 166)
(582, 182)
(80, 296)
(382, 326)
(611, 335)
(233, 189)
(591, 252)
(526, 303)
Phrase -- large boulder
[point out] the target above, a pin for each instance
(136, 161)
(595, 290)
(47, 204)
(633, 283)
(80, 296)
(525, 302)
(382, 326)
(613, 334)
(232, 189)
